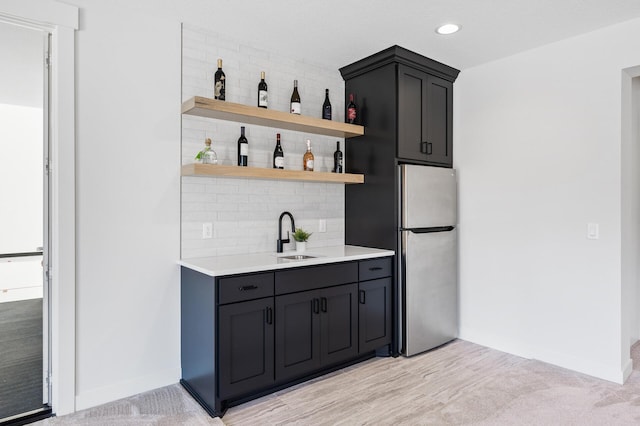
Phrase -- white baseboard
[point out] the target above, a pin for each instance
(612, 373)
(626, 371)
(110, 393)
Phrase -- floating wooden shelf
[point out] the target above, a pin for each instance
(213, 170)
(206, 107)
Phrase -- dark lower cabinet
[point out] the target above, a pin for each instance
(315, 329)
(374, 314)
(338, 323)
(297, 333)
(245, 347)
(246, 335)
(375, 304)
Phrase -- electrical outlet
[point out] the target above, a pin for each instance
(207, 230)
(593, 231)
(322, 225)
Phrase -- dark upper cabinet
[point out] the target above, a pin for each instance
(407, 99)
(425, 112)
(245, 349)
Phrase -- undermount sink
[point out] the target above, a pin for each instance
(297, 257)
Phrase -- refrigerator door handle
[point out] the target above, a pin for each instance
(429, 230)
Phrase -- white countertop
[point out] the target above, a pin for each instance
(255, 262)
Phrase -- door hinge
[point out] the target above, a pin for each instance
(47, 166)
(47, 59)
(47, 273)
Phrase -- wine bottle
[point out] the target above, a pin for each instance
(352, 110)
(307, 159)
(262, 92)
(326, 106)
(278, 154)
(337, 159)
(295, 99)
(243, 149)
(219, 87)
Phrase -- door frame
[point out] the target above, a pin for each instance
(61, 20)
(630, 211)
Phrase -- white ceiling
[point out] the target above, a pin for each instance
(339, 32)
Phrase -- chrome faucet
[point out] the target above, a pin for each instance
(280, 241)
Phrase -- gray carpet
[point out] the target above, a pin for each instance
(20, 357)
(167, 406)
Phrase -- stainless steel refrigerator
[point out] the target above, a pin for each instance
(427, 265)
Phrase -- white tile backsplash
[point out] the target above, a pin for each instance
(244, 212)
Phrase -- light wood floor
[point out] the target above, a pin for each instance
(459, 383)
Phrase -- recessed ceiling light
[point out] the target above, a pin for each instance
(448, 29)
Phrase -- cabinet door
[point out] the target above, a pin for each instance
(425, 117)
(297, 334)
(374, 314)
(245, 347)
(339, 316)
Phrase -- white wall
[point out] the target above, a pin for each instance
(128, 202)
(538, 148)
(128, 147)
(244, 212)
(128, 189)
(22, 82)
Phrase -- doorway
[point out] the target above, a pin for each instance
(630, 216)
(24, 221)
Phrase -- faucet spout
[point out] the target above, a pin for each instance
(282, 241)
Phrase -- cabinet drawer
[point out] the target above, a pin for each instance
(244, 287)
(301, 279)
(375, 268)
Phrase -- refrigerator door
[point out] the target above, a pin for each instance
(430, 287)
(429, 197)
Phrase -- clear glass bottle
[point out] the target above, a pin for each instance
(207, 155)
(307, 159)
